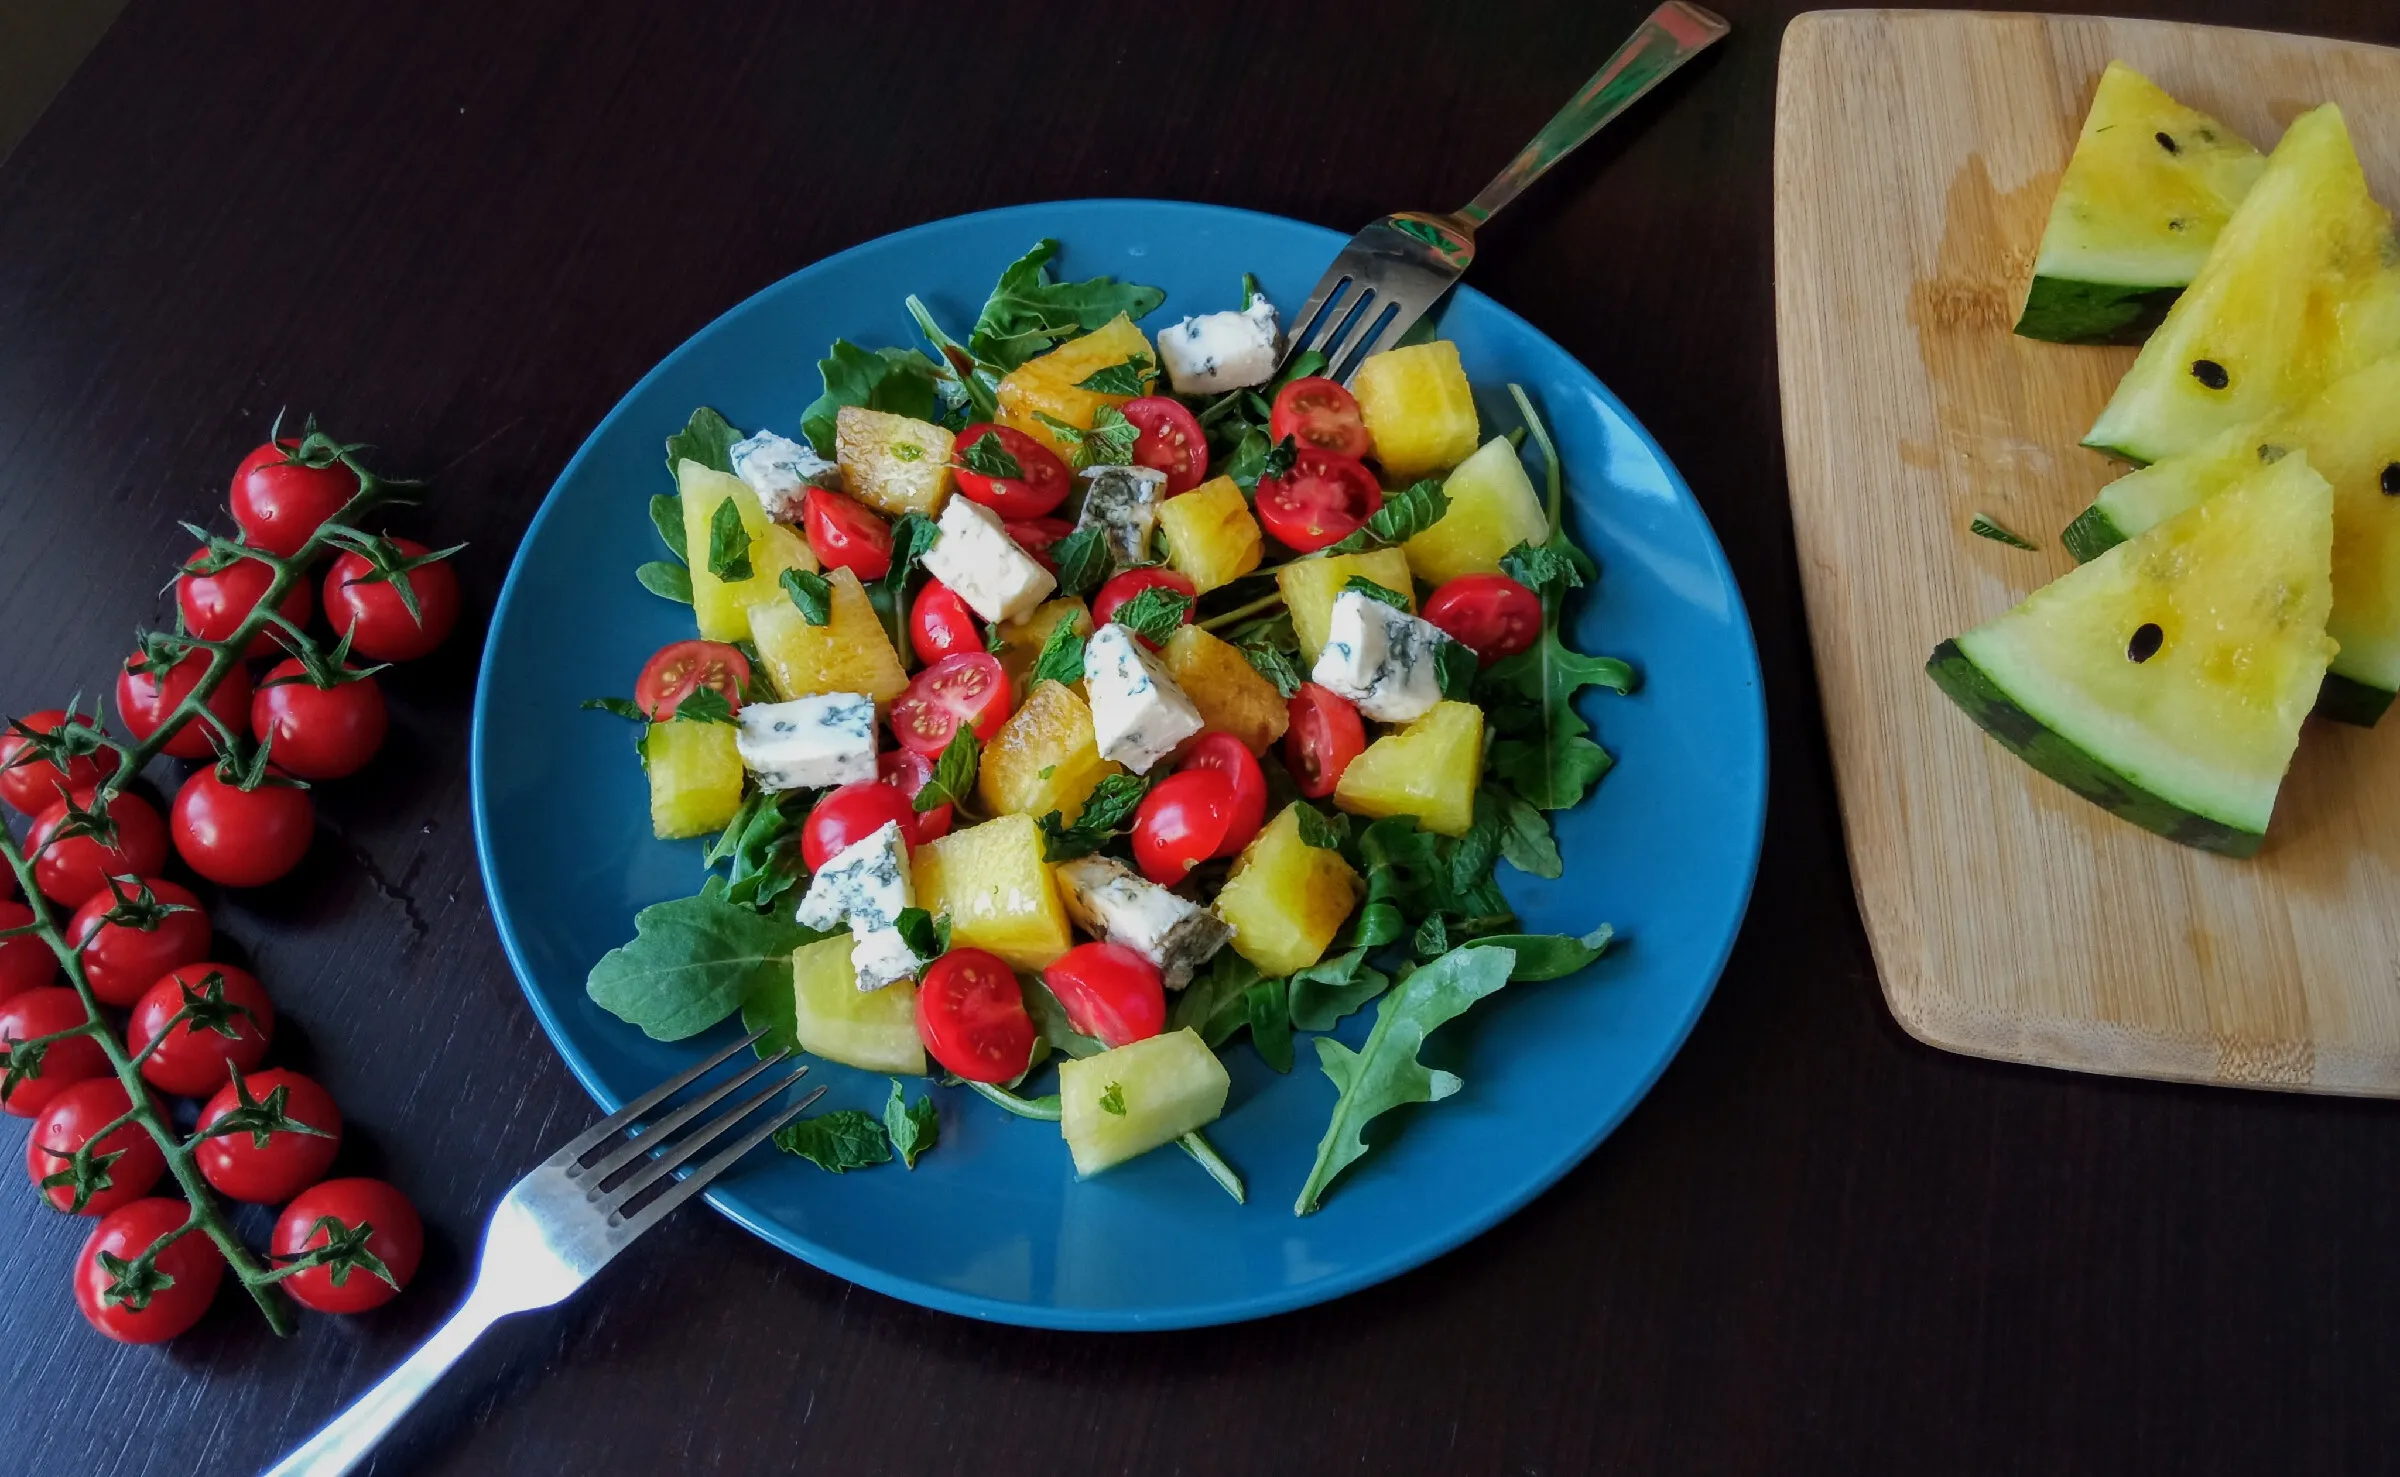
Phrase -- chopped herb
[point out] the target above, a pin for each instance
(1403, 516)
(1082, 559)
(1130, 377)
(839, 1141)
(989, 456)
(1317, 829)
(812, 595)
(623, 707)
(1061, 659)
(1359, 584)
(912, 1127)
(1154, 614)
(1113, 1100)
(704, 705)
(953, 781)
(728, 543)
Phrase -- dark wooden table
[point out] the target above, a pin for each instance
(461, 228)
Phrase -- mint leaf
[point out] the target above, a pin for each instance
(1317, 829)
(1332, 988)
(728, 543)
(704, 705)
(667, 581)
(1385, 1073)
(912, 1127)
(666, 515)
(1129, 378)
(1061, 659)
(1082, 560)
(1359, 584)
(1275, 664)
(989, 456)
(1403, 516)
(812, 595)
(707, 439)
(1029, 312)
(1108, 810)
(691, 963)
(622, 707)
(953, 781)
(1542, 568)
(927, 937)
(1155, 613)
(839, 1141)
(902, 381)
(1109, 442)
(1455, 665)
(1549, 956)
(1113, 1100)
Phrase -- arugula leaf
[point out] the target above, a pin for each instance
(666, 580)
(1154, 614)
(1332, 988)
(1542, 745)
(1029, 312)
(1548, 956)
(953, 781)
(1385, 1073)
(839, 1141)
(1359, 584)
(1455, 666)
(1131, 376)
(666, 515)
(977, 380)
(812, 595)
(987, 455)
(1061, 659)
(912, 1127)
(625, 708)
(1214, 1003)
(763, 843)
(691, 963)
(704, 705)
(1267, 1007)
(773, 1010)
(728, 543)
(1525, 839)
(1322, 831)
(1050, 1019)
(1082, 559)
(1108, 810)
(902, 381)
(1412, 874)
(708, 439)
(1403, 516)
(1112, 1100)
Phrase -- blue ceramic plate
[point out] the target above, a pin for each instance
(993, 1223)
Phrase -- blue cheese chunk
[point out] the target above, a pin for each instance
(865, 884)
(1216, 352)
(1381, 659)
(880, 957)
(781, 471)
(1112, 902)
(975, 557)
(809, 743)
(1139, 715)
(1122, 502)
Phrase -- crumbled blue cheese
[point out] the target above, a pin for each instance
(1380, 658)
(809, 743)
(865, 884)
(1110, 901)
(781, 471)
(1122, 502)
(1139, 715)
(1222, 351)
(880, 957)
(975, 557)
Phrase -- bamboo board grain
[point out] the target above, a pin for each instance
(1915, 157)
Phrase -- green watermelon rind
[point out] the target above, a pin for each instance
(2064, 310)
(2092, 534)
(2022, 734)
(2348, 700)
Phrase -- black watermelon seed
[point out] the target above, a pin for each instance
(2391, 479)
(2210, 373)
(2166, 142)
(2207, 136)
(2147, 639)
(2178, 223)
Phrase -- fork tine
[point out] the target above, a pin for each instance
(1356, 314)
(1318, 312)
(672, 1157)
(698, 1180)
(652, 1135)
(584, 1142)
(1371, 338)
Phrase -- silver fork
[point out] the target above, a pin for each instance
(1391, 272)
(558, 1226)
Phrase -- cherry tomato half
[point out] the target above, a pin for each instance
(121, 960)
(319, 733)
(908, 773)
(850, 815)
(1318, 412)
(971, 1014)
(940, 623)
(1043, 486)
(1322, 501)
(64, 1062)
(1131, 583)
(1230, 757)
(71, 869)
(1325, 735)
(271, 1166)
(1170, 441)
(1490, 613)
(152, 1310)
(26, 963)
(679, 668)
(846, 534)
(968, 686)
(1036, 535)
(145, 702)
(395, 1237)
(1109, 992)
(215, 605)
(32, 783)
(371, 613)
(193, 1060)
(281, 502)
(241, 838)
(1181, 823)
(68, 1123)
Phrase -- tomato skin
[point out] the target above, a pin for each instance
(1043, 487)
(396, 1238)
(26, 962)
(1318, 412)
(193, 1263)
(318, 733)
(1109, 992)
(1036, 535)
(371, 615)
(64, 1063)
(1323, 501)
(32, 785)
(971, 1016)
(215, 605)
(120, 962)
(940, 622)
(1132, 582)
(908, 773)
(965, 685)
(1181, 823)
(678, 669)
(1325, 735)
(280, 503)
(68, 1123)
(241, 838)
(145, 702)
(1170, 441)
(290, 1162)
(850, 815)
(68, 872)
(1491, 614)
(193, 1062)
(1230, 757)
(846, 534)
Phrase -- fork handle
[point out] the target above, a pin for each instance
(345, 1442)
(1674, 34)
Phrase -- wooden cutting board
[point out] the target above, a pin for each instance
(1915, 157)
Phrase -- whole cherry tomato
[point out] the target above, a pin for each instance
(850, 815)
(146, 700)
(214, 605)
(678, 669)
(940, 623)
(252, 1159)
(67, 1124)
(31, 783)
(908, 772)
(1009, 472)
(1109, 992)
(1322, 500)
(1170, 440)
(394, 1238)
(70, 869)
(1036, 535)
(64, 1063)
(371, 613)
(229, 1025)
(846, 534)
(971, 1014)
(966, 686)
(1131, 583)
(26, 962)
(1325, 735)
(181, 1280)
(242, 838)
(121, 959)
(1489, 613)
(1229, 757)
(1318, 412)
(280, 497)
(1182, 822)
(318, 733)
